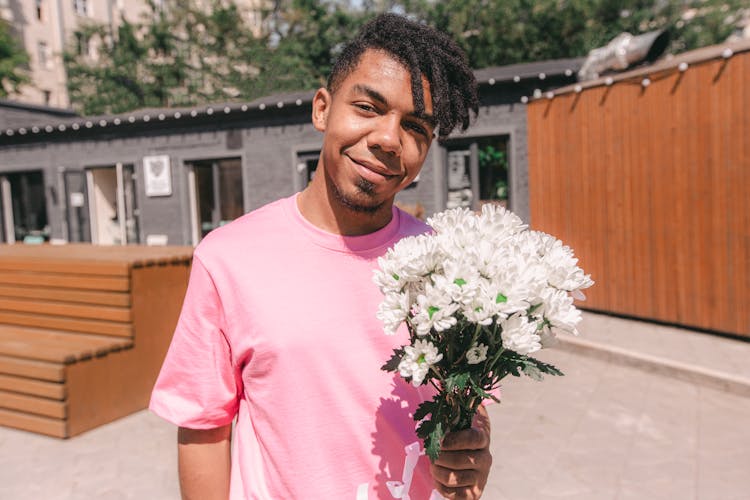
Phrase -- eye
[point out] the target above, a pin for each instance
(365, 107)
(417, 127)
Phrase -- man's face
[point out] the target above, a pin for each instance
(374, 143)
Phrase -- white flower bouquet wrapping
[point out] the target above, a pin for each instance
(478, 295)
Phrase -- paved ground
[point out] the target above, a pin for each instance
(628, 421)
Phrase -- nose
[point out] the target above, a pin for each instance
(386, 135)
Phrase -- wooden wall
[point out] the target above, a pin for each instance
(651, 188)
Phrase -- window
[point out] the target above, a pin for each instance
(25, 207)
(82, 44)
(43, 55)
(47, 97)
(477, 172)
(216, 197)
(39, 10)
(81, 7)
(307, 163)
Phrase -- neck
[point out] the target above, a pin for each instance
(319, 204)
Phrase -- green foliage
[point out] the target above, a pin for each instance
(176, 56)
(12, 61)
(499, 32)
(184, 55)
(463, 386)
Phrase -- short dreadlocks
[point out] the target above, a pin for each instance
(423, 51)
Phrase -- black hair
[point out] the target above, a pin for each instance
(423, 51)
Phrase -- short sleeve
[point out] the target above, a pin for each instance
(198, 386)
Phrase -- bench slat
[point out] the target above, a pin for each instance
(116, 299)
(22, 385)
(48, 308)
(59, 347)
(70, 324)
(42, 370)
(34, 423)
(74, 281)
(88, 267)
(31, 404)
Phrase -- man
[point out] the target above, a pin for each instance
(278, 326)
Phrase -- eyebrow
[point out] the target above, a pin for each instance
(377, 96)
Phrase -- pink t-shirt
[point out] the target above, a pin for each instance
(278, 329)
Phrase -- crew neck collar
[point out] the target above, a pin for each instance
(341, 243)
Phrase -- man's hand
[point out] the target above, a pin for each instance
(461, 470)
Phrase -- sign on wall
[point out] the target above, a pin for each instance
(158, 175)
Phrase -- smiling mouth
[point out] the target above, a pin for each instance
(370, 172)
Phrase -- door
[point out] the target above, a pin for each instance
(478, 172)
(112, 204)
(77, 207)
(215, 194)
(24, 207)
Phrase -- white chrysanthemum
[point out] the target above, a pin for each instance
(559, 311)
(450, 220)
(459, 280)
(520, 335)
(417, 360)
(498, 223)
(476, 354)
(410, 260)
(393, 311)
(560, 263)
(433, 309)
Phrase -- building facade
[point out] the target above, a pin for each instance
(169, 176)
(46, 28)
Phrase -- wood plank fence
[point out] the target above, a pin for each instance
(651, 187)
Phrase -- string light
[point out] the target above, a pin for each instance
(645, 82)
(683, 66)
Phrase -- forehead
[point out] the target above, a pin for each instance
(379, 69)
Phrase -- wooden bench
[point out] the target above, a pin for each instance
(83, 331)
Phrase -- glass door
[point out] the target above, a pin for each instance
(216, 194)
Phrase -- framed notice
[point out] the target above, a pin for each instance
(158, 175)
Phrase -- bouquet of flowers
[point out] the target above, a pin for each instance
(478, 295)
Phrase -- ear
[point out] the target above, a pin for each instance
(321, 105)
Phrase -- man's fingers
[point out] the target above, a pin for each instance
(454, 478)
(469, 439)
(460, 460)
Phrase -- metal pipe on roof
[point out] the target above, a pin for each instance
(624, 51)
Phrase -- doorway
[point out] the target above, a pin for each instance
(112, 204)
(478, 172)
(216, 198)
(24, 207)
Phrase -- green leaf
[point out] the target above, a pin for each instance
(432, 443)
(432, 310)
(424, 409)
(457, 380)
(395, 276)
(501, 298)
(536, 369)
(392, 364)
(459, 281)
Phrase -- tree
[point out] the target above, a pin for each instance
(178, 55)
(12, 61)
(499, 32)
(182, 54)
